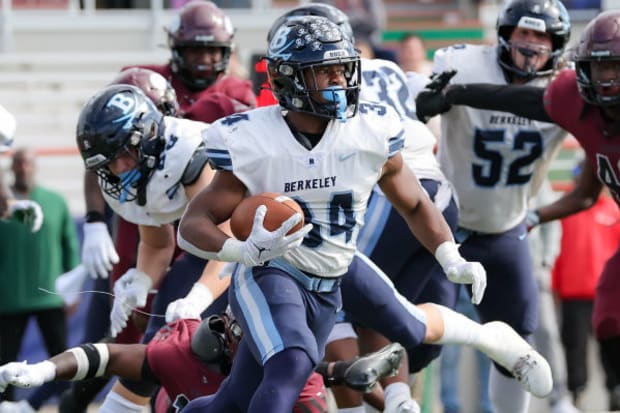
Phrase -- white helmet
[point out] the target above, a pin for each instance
(7, 129)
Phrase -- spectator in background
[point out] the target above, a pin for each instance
(545, 247)
(412, 55)
(589, 239)
(30, 263)
(25, 211)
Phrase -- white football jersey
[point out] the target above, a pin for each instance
(331, 182)
(165, 195)
(493, 159)
(384, 82)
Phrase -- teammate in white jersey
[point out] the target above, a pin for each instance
(149, 166)
(496, 160)
(327, 151)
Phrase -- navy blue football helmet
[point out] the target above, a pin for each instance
(542, 15)
(331, 13)
(307, 43)
(118, 119)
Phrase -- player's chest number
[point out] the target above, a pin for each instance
(340, 215)
(488, 172)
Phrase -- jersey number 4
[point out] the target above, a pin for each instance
(489, 172)
(341, 219)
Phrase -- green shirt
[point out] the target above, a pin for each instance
(30, 261)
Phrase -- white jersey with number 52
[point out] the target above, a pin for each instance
(495, 160)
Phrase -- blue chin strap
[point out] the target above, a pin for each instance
(339, 97)
(127, 180)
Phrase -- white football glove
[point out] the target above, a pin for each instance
(70, 283)
(263, 245)
(192, 305)
(130, 291)
(98, 252)
(460, 271)
(26, 375)
(27, 212)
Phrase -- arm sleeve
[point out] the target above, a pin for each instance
(525, 101)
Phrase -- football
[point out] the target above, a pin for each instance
(279, 209)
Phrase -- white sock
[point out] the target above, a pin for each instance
(115, 403)
(358, 409)
(506, 394)
(396, 393)
(458, 329)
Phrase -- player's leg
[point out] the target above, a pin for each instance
(511, 296)
(281, 321)
(371, 299)
(342, 345)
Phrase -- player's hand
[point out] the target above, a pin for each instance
(98, 252)
(460, 271)
(432, 100)
(263, 245)
(130, 291)
(68, 285)
(473, 273)
(22, 374)
(27, 212)
(192, 305)
(532, 219)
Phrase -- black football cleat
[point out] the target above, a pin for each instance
(364, 372)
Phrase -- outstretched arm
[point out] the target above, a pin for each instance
(78, 363)
(426, 222)
(583, 196)
(525, 101)
(439, 96)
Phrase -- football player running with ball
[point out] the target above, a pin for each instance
(326, 150)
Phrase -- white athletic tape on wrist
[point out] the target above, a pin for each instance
(448, 254)
(92, 360)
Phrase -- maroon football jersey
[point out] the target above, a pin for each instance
(566, 108)
(238, 91)
(171, 359)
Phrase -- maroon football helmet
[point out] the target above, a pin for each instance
(199, 24)
(600, 41)
(154, 86)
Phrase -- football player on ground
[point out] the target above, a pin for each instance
(204, 350)
(585, 102)
(326, 150)
(496, 161)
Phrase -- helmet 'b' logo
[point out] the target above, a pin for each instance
(126, 104)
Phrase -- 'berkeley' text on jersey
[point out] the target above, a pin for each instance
(316, 183)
